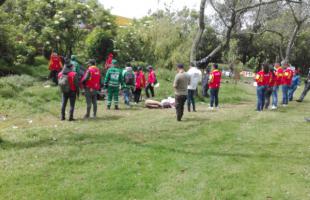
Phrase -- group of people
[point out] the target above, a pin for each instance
(270, 78)
(70, 77)
(185, 85)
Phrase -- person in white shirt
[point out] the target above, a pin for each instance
(195, 77)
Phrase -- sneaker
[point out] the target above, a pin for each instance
(210, 108)
(299, 100)
(284, 105)
(273, 107)
(86, 117)
(108, 107)
(71, 119)
(217, 108)
(116, 108)
(63, 119)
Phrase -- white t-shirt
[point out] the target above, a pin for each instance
(195, 78)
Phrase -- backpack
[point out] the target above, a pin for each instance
(63, 83)
(129, 79)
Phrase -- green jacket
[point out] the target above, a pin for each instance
(75, 64)
(113, 78)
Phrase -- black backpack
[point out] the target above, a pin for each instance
(129, 78)
(63, 83)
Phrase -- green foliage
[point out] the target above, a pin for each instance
(11, 86)
(252, 63)
(99, 44)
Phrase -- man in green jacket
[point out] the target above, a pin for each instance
(129, 83)
(112, 81)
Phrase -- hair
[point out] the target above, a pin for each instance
(266, 68)
(180, 66)
(215, 66)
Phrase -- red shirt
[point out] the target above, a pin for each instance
(215, 79)
(273, 80)
(71, 76)
(151, 77)
(94, 80)
(287, 77)
(55, 63)
(140, 80)
(263, 79)
(279, 75)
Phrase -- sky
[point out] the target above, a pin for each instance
(140, 8)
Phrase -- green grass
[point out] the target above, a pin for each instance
(231, 153)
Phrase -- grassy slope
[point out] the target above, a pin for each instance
(233, 153)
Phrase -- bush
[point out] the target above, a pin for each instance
(11, 86)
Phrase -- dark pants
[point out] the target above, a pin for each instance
(214, 97)
(151, 88)
(54, 76)
(191, 99)
(205, 89)
(137, 95)
(91, 99)
(291, 91)
(306, 90)
(65, 97)
(260, 92)
(179, 105)
(268, 94)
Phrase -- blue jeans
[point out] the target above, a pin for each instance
(260, 91)
(275, 96)
(285, 94)
(191, 99)
(214, 97)
(127, 95)
(291, 91)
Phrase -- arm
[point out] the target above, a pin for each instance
(86, 77)
(107, 78)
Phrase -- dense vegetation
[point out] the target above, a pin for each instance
(164, 38)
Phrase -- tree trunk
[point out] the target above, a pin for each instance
(291, 43)
(200, 31)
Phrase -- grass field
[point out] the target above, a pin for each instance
(231, 153)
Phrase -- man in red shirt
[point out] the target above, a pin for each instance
(278, 82)
(92, 83)
(55, 66)
(262, 79)
(73, 90)
(286, 82)
(214, 85)
(151, 81)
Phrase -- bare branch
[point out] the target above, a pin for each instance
(218, 12)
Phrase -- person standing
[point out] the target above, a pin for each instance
(69, 83)
(195, 78)
(180, 84)
(278, 82)
(113, 80)
(306, 89)
(140, 84)
(269, 87)
(55, 66)
(262, 79)
(294, 85)
(214, 85)
(129, 84)
(286, 82)
(205, 83)
(151, 81)
(76, 64)
(91, 81)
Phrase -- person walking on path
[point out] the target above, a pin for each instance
(113, 80)
(278, 82)
(140, 84)
(262, 79)
(181, 81)
(55, 66)
(151, 81)
(306, 89)
(129, 84)
(91, 81)
(69, 84)
(195, 78)
(286, 82)
(214, 85)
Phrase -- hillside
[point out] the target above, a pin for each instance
(123, 21)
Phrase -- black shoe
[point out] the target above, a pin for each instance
(299, 100)
(86, 117)
(63, 119)
(71, 119)
(108, 107)
(116, 108)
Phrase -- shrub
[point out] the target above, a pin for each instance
(10, 86)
